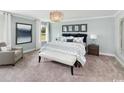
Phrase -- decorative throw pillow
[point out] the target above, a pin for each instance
(4, 49)
(64, 39)
(7, 48)
(70, 37)
(78, 39)
(69, 40)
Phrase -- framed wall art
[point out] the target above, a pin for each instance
(83, 27)
(74, 28)
(64, 28)
(23, 33)
(70, 28)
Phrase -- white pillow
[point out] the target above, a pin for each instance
(5, 48)
(64, 39)
(70, 37)
(78, 39)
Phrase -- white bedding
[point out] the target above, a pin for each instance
(71, 48)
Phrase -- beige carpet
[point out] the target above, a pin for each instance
(102, 68)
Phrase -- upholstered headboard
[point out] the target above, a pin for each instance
(76, 35)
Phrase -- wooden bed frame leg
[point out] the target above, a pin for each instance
(75, 64)
(39, 59)
(72, 70)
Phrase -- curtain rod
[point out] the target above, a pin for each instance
(19, 15)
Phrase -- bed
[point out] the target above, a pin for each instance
(77, 35)
(65, 52)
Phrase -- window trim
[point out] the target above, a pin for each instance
(121, 34)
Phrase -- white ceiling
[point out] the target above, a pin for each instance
(68, 14)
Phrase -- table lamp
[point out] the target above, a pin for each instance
(93, 37)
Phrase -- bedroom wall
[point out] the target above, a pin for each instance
(118, 52)
(28, 46)
(1, 27)
(103, 27)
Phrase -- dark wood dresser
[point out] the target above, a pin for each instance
(93, 49)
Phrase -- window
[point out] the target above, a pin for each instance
(44, 36)
(43, 33)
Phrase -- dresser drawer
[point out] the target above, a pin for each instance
(93, 50)
(93, 46)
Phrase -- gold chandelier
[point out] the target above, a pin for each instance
(56, 16)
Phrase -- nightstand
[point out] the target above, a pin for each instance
(93, 49)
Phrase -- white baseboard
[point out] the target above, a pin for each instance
(107, 54)
(119, 60)
(30, 50)
(113, 55)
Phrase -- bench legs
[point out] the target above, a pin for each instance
(72, 73)
(39, 59)
(77, 64)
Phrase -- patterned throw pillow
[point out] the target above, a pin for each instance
(69, 40)
(64, 39)
(78, 39)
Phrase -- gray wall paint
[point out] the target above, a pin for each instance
(103, 27)
(28, 46)
(1, 27)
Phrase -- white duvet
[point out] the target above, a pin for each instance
(76, 49)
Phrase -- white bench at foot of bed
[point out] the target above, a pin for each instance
(59, 57)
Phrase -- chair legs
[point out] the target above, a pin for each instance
(72, 73)
(39, 59)
(77, 64)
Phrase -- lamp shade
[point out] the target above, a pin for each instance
(93, 36)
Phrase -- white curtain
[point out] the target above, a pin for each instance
(6, 29)
(38, 32)
(2, 18)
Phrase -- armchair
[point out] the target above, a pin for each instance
(10, 57)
